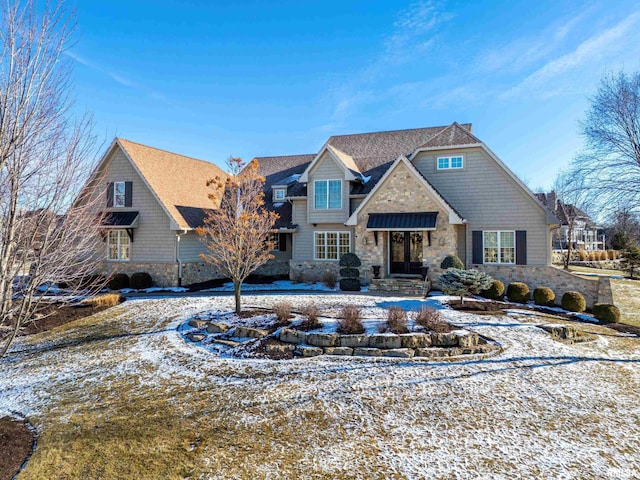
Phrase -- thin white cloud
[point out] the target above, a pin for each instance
(601, 45)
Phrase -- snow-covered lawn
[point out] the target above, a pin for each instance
(121, 395)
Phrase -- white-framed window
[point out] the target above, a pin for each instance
(499, 247)
(275, 239)
(327, 194)
(331, 245)
(450, 163)
(119, 194)
(279, 194)
(118, 245)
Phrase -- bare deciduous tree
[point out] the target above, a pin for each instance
(237, 232)
(610, 164)
(44, 161)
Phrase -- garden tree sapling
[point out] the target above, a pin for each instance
(46, 155)
(631, 260)
(237, 232)
(455, 281)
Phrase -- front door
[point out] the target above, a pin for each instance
(405, 252)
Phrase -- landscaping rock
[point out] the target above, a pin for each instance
(279, 347)
(215, 327)
(444, 339)
(367, 352)
(432, 352)
(354, 340)
(561, 331)
(289, 335)
(487, 348)
(455, 351)
(197, 323)
(228, 343)
(338, 351)
(399, 353)
(195, 337)
(310, 351)
(415, 340)
(248, 332)
(323, 339)
(385, 341)
(466, 339)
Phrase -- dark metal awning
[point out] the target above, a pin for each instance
(402, 221)
(120, 220)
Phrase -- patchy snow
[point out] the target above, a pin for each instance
(154, 290)
(278, 285)
(541, 409)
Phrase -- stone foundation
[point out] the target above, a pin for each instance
(312, 271)
(197, 272)
(556, 279)
(163, 274)
(402, 286)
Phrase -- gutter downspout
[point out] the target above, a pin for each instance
(178, 235)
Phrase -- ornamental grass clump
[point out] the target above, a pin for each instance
(106, 300)
(518, 292)
(282, 311)
(544, 296)
(495, 291)
(350, 321)
(329, 279)
(574, 302)
(464, 282)
(311, 314)
(431, 320)
(606, 313)
(397, 320)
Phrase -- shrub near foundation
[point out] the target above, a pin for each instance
(118, 281)
(544, 296)
(452, 261)
(606, 313)
(141, 280)
(574, 302)
(495, 291)
(518, 292)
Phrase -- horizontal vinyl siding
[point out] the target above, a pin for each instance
(327, 169)
(484, 194)
(153, 240)
(191, 247)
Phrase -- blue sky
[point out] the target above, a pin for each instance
(211, 79)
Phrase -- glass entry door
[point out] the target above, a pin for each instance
(405, 252)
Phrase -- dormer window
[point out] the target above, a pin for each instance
(279, 194)
(328, 194)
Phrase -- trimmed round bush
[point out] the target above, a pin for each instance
(574, 302)
(606, 313)
(518, 292)
(140, 280)
(349, 272)
(495, 291)
(543, 296)
(350, 284)
(118, 281)
(350, 260)
(603, 255)
(452, 261)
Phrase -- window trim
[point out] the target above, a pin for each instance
(499, 262)
(123, 195)
(449, 160)
(326, 249)
(120, 233)
(276, 191)
(315, 183)
(275, 238)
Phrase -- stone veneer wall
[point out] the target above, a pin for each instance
(163, 274)
(313, 270)
(403, 193)
(557, 280)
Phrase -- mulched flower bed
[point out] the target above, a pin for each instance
(55, 315)
(16, 444)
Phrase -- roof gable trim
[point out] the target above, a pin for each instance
(348, 172)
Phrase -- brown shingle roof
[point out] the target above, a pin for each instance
(175, 179)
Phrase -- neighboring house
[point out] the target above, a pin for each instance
(585, 235)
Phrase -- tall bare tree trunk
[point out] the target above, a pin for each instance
(237, 286)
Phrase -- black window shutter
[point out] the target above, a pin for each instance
(110, 194)
(128, 190)
(521, 247)
(283, 242)
(476, 243)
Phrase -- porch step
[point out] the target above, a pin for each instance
(413, 287)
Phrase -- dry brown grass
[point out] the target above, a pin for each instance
(311, 320)
(626, 296)
(282, 311)
(106, 300)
